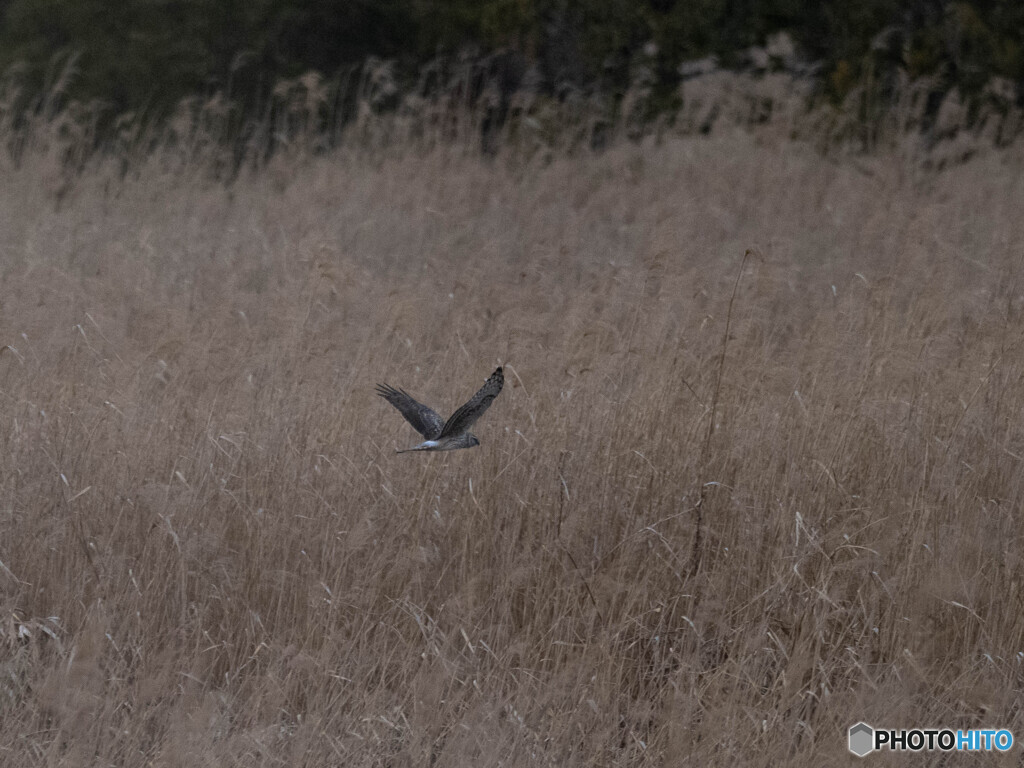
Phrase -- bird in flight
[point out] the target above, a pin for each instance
(444, 435)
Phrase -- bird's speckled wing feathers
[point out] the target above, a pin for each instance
(464, 418)
(424, 420)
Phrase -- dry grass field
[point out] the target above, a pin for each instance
(211, 555)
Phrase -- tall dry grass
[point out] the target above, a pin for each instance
(212, 556)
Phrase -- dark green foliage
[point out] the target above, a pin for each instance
(149, 54)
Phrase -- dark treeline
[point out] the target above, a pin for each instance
(146, 55)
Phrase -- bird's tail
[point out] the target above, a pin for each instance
(429, 445)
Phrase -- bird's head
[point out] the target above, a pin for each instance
(473, 441)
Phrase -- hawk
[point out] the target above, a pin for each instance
(444, 435)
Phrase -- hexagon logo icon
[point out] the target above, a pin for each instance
(862, 738)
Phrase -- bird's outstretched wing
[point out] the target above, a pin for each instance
(423, 419)
(460, 421)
